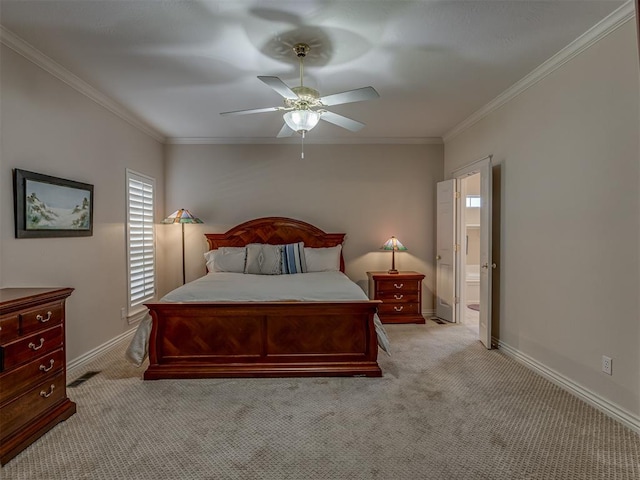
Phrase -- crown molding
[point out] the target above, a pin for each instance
(34, 55)
(596, 33)
(309, 140)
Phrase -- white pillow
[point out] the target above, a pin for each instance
(209, 258)
(323, 259)
(226, 259)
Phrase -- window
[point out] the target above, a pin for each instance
(140, 241)
(473, 201)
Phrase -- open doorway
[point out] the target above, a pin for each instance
(456, 226)
(470, 223)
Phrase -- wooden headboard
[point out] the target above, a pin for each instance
(276, 231)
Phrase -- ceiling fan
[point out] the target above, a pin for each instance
(304, 107)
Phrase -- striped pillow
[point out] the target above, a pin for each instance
(293, 260)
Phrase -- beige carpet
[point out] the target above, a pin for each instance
(446, 408)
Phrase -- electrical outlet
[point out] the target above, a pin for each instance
(606, 364)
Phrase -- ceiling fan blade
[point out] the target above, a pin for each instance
(285, 131)
(280, 87)
(350, 96)
(254, 110)
(341, 121)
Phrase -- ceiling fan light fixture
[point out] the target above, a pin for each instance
(301, 120)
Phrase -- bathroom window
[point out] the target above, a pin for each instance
(473, 201)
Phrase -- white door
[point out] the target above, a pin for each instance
(445, 250)
(486, 262)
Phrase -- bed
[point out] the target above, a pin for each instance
(298, 333)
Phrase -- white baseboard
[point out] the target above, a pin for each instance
(428, 313)
(76, 366)
(611, 409)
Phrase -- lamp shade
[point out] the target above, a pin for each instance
(301, 120)
(182, 216)
(393, 244)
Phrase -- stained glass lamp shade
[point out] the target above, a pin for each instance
(182, 216)
(394, 245)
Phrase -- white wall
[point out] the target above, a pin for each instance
(50, 128)
(368, 191)
(568, 160)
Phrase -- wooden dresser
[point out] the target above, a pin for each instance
(401, 295)
(33, 395)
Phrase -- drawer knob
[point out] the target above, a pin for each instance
(398, 285)
(398, 308)
(44, 394)
(35, 347)
(45, 368)
(41, 319)
(398, 297)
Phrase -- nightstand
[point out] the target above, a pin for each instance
(401, 295)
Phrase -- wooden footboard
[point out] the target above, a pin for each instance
(262, 339)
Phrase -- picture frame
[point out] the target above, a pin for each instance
(46, 206)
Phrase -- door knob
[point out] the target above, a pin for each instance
(438, 257)
(486, 265)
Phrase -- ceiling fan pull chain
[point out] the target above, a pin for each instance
(302, 146)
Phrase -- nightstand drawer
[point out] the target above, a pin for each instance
(399, 297)
(399, 285)
(44, 316)
(399, 309)
(30, 405)
(19, 379)
(31, 347)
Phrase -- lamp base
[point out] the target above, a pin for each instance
(393, 271)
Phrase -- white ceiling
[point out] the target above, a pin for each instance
(176, 64)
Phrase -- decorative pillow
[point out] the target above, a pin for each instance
(230, 259)
(323, 259)
(293, 258)
(209, 258)
(263, 259)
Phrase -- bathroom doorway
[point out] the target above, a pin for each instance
(470, 251)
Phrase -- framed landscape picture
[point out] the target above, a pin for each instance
(48, 206)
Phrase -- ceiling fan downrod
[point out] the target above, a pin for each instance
(301, 50)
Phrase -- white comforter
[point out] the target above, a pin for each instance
(240, 287)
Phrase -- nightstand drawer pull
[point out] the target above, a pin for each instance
(41, 319)
(46, 369)
(35, 347)
(398, 286)
(44, 394)
(398, 308)
(398, 297)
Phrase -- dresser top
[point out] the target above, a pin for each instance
(18, 297)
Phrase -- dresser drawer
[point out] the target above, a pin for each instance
(43, 316)
(31, 404)
(399, 297)
(15, 381)
(9, 328)
(30, 347)
(399, 285)
(399, 309)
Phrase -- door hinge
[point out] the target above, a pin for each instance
(457, 195)
(456, 247)
(456, 300)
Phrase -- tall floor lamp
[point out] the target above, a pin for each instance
(182, 216)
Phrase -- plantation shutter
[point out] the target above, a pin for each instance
(140, 239)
